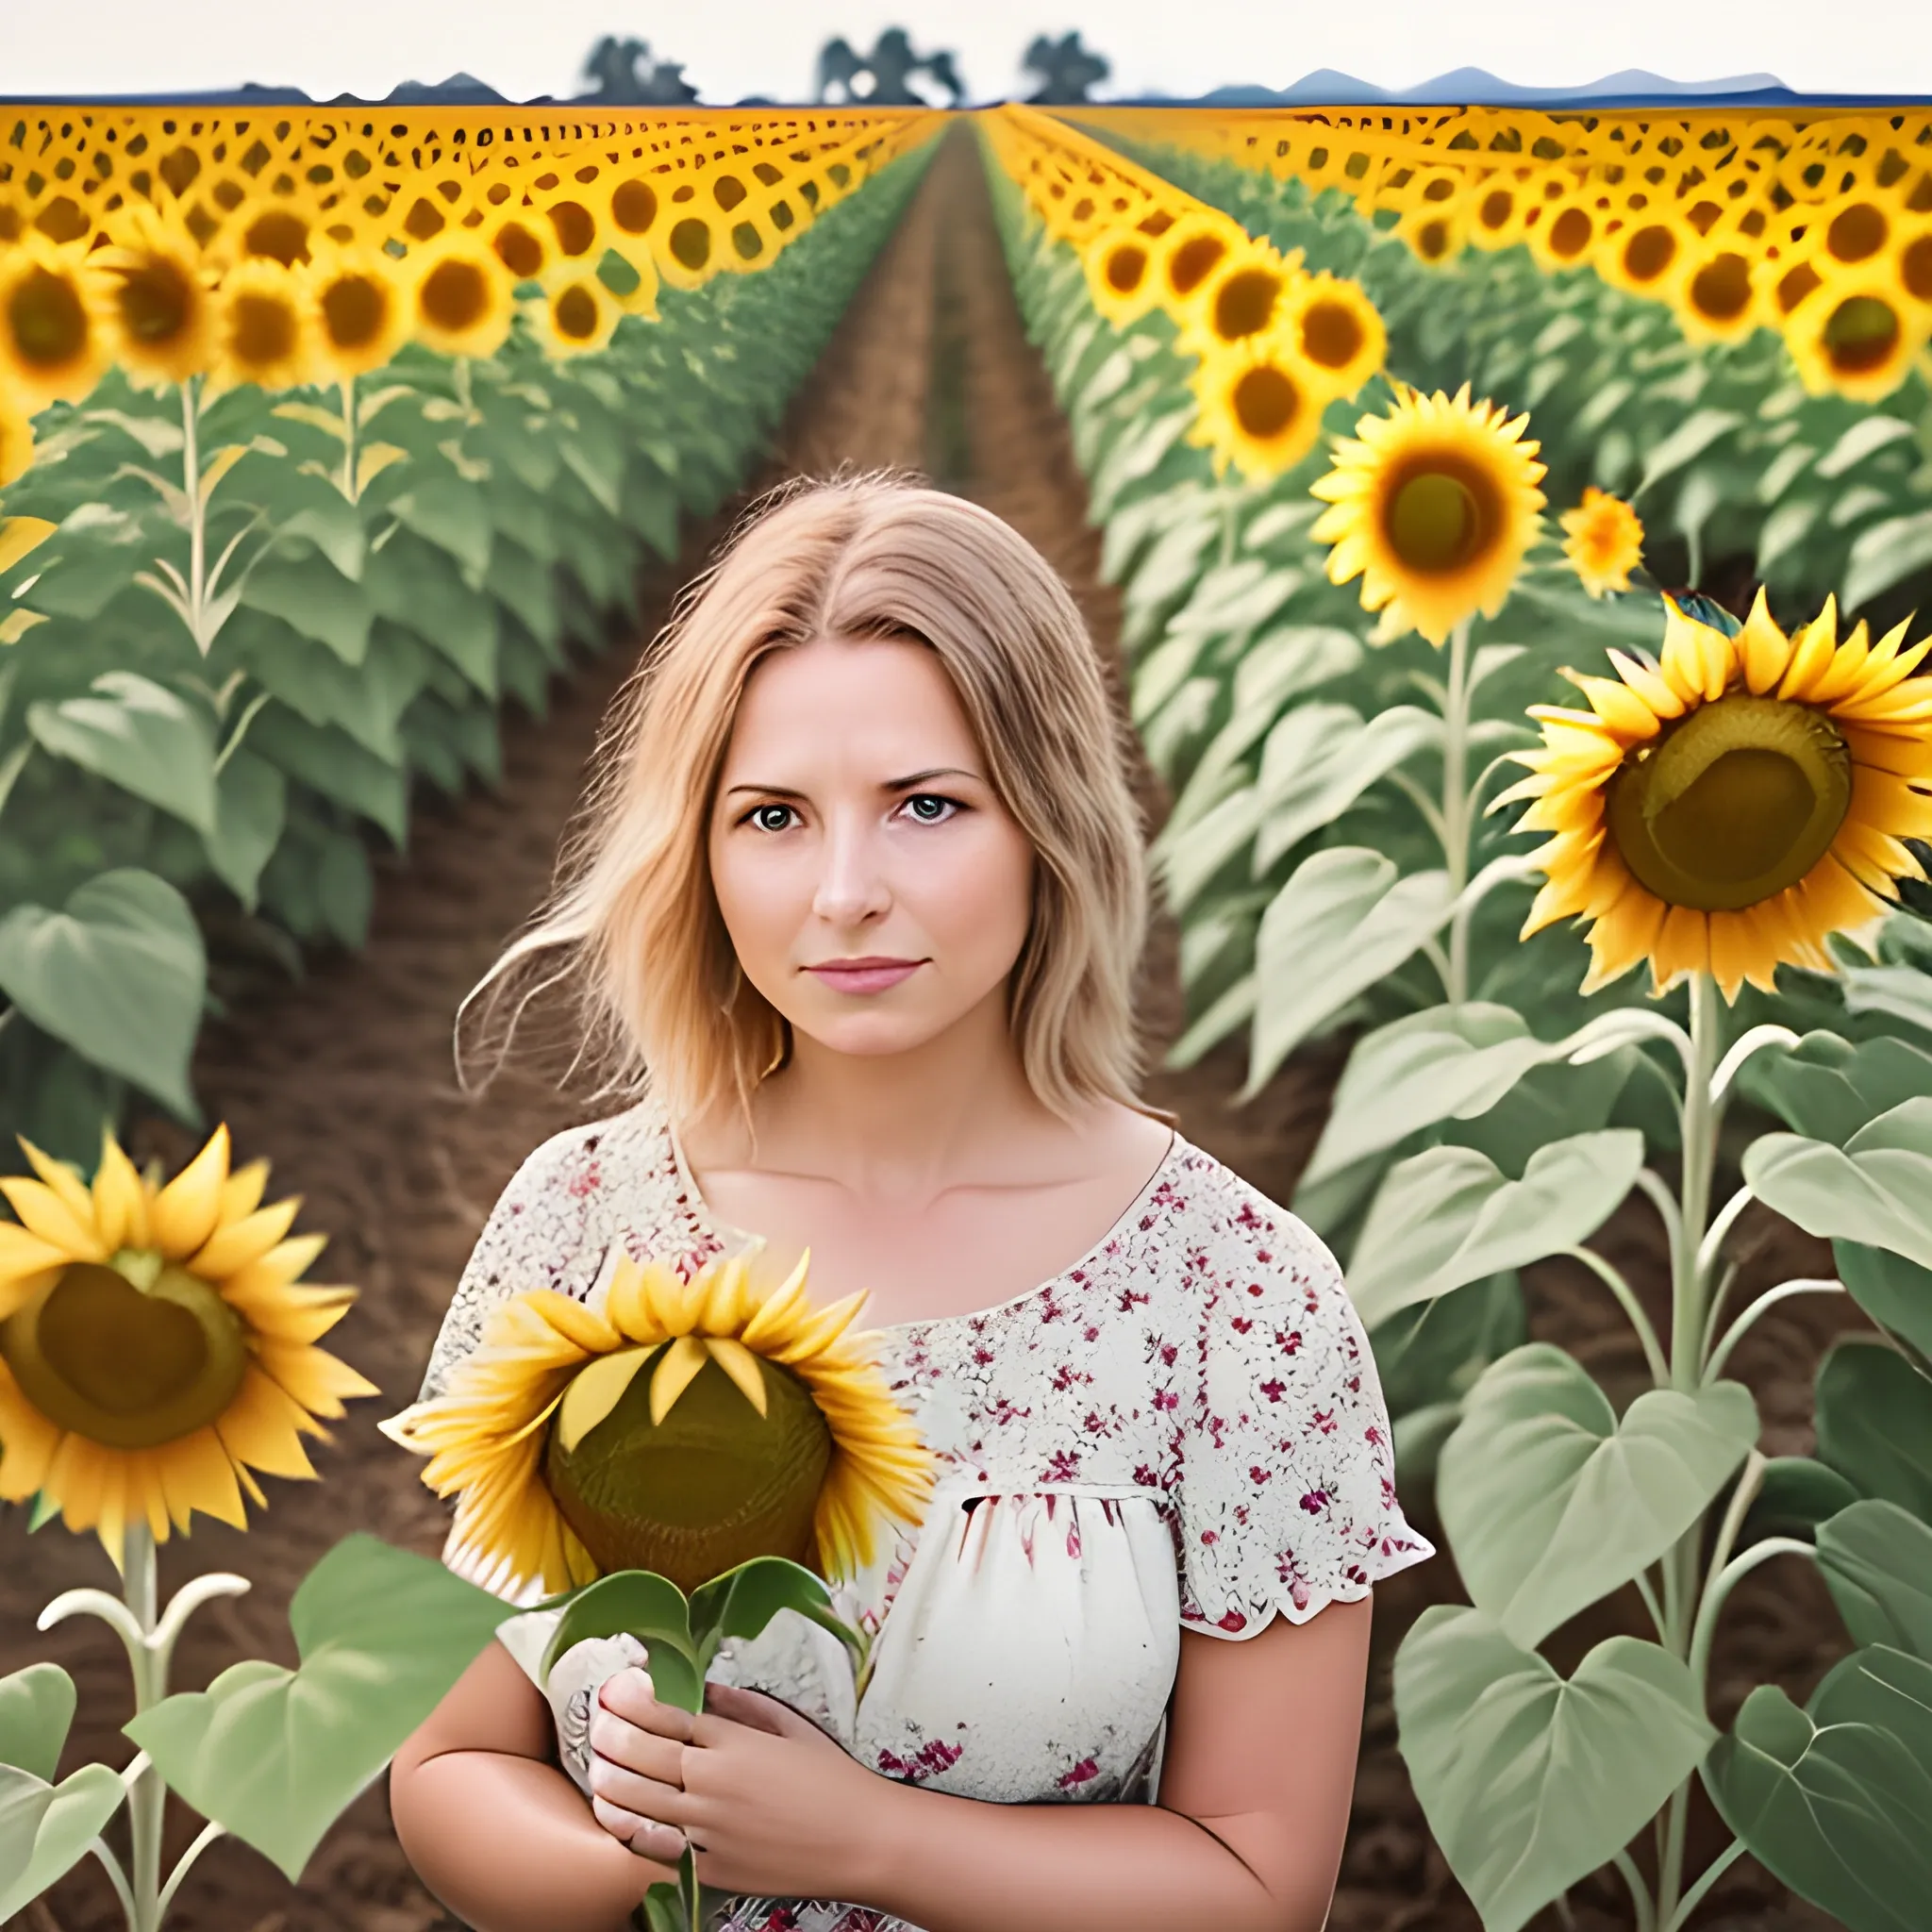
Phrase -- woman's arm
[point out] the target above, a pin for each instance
(1246, 1838)
(495, 1828)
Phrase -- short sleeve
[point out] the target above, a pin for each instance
(541, 1233)
(1286, 1469)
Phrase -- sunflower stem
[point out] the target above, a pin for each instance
(197, 513)
(1768, 1300)
(1456, 803)
(349, 489)
(1687, 1609)
(147, 1795)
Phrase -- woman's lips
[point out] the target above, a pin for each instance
(864, 975)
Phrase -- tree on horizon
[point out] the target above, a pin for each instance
(1066, 70)
(884, 77)
(626, 75)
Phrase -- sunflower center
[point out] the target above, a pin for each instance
(1722, 289)
(1437, 522)
(1737, 803)
(1193, 261)
(1331, 334)
(711, 1486)
(1265, 402)
(1245, 303)
(47, 321)
(455, 296)
(1126, 268)
(1861, 334)
(128, 1368)
(156, 301)
(575, 314)
(354, 309)
(262, 331)
(279, 236)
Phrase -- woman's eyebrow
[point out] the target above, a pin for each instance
(905, 784)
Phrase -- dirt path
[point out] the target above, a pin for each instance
(346, 1084)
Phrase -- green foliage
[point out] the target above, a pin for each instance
(264, 619)
(275, 1754)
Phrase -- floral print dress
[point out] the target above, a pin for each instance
(1182, 1431)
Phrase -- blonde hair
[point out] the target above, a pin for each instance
(633, 920)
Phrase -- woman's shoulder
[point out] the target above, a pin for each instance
(1221, 1226)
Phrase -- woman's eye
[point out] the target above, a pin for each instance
(770, 818)
(929, 809)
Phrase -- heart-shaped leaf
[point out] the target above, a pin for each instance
(117, 974)
(650, 1608)
(1343, 921)
(1895, 1292)
(1833, 1800)
(45, 1829)
(1530, 1782)
(36, 1709)
(1826, 1088)
(1876, 1188)
(275, 1754)
(140, 736)
(1874, 1413)
(1877, 1560)
(1795, 1494)
(1551, 1503)
(1449, 1215)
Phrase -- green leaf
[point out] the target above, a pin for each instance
(251, 807)
(1895, 1292)
(345, 889)
(454, 516)
(1795, 1495)
(118, 975)
(1876, 1560)
(275, 1754)
(1313, 769)
(1826, 1088)
(414, 584)
(1551, 1503)
(1436, 1350)
(742, 1600)
(1883, 555)
(1878, 1189)
(1900, 993)
(314, 600)
(1345, 919)
(1834, 1800)
(1865, 437)
(1530, 1782)
(650, 1608)
(45, 1829)
(1448, 1215)
(335, 765)
(1689, 441)
(1874, 1424)
(140, 736)
(36, 1709)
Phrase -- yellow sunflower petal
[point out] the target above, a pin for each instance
(265, 1426)
(120, 1201)
(742, 1367)
(318, 1381)
(594, 1391)
(182, 1215)
(673, 1373)
(27, 1441)
(242, 1190)
(196, 1472)
(232, 1247)
(48, 1214)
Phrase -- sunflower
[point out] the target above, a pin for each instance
(54, 338)
(1852, 335)
(460, 297)
(1122, 282)
(1915, 263)
(1730, 807)
(1650, 251)
(1498, 205)
(161, 301)
(155, 1345)
(16, 439)
(1335, 328)
(1563, 229)
(684, 1428)
(1434, 508)
(264, 328)
(1719, 298)
(361, 307)
(577, 315)
(1603, 540)
(1260, 406)
(1188, 253)
(1243, 297)
(1437, 231)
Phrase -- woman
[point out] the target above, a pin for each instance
(862, 890)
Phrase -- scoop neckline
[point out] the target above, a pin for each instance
(702, 1212)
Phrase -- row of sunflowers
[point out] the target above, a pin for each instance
(1617, 899)
(321, 438)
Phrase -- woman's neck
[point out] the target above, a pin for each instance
(894, 1127)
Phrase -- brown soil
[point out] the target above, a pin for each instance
(346, 1082)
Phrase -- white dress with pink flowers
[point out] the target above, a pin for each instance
(1183, 1431)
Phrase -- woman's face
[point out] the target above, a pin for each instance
(873, 885)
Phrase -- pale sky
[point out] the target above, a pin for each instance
(735, 47)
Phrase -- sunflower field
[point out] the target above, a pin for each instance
(321, 438)
(1519, 524)
(1366, 666)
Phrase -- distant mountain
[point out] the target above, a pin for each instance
(1475, 87)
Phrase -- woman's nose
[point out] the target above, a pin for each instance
(852, 883)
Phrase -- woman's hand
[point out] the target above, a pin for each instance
(772, 1806)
